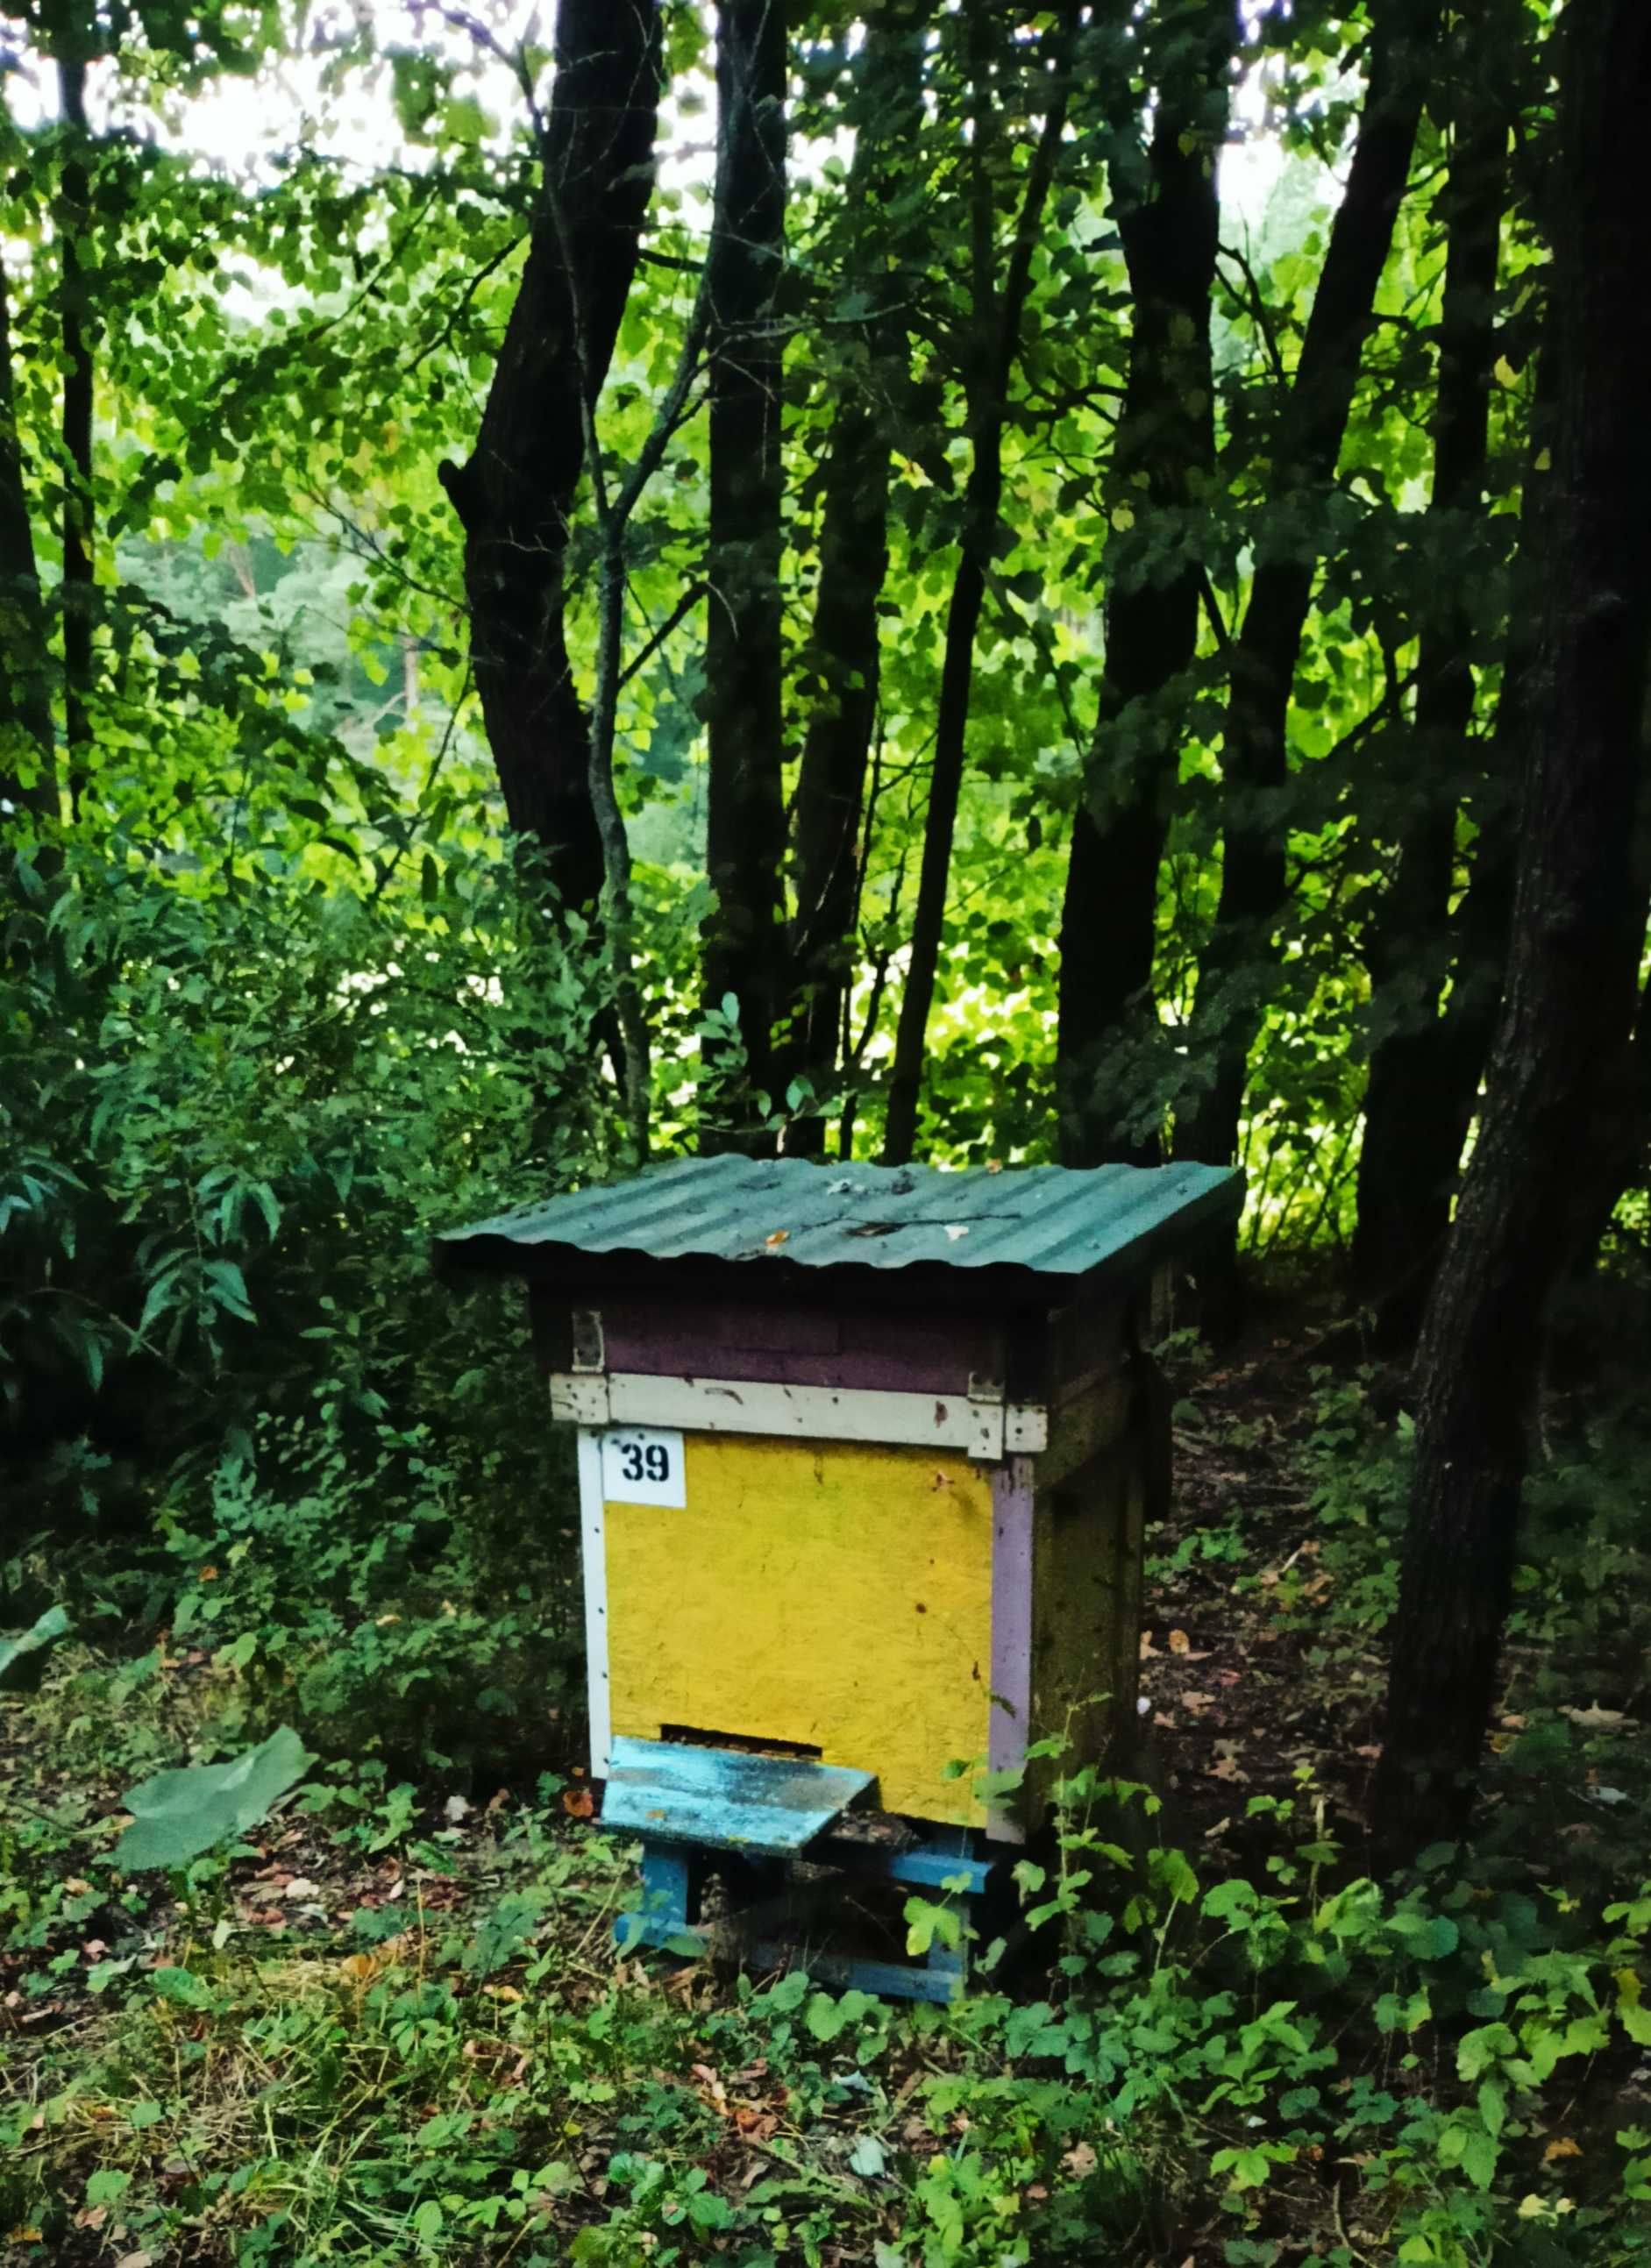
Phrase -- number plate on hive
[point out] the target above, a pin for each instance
(643, 1464)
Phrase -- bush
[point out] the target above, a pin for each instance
(236, 1099)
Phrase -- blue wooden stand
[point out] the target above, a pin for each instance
(674, 1876)
(747, 1817)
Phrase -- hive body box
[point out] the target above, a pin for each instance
(864, 1460)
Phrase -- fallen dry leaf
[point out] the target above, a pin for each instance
(780, 1236)
(1561, 2147)
(579, 1802)
(1596, 1719)
(1079, 2160)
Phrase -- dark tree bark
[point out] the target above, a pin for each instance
(1579, 927)
(745, 938)
(1233, 975)
(1163, 453)
(1411, 1144)
(28, 774)
(1479, 937)
(78, 529)
(515, 496)
(841, 655)
(997, 319)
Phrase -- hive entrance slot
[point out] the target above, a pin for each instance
(694, 1736)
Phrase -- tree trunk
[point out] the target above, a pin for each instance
(1407, 1166)
(842, 657)
(515, 496)
(1235, 973)
(1163, 454)
(1579, 925)
(997, 343)
(744, 938)
(28, 774)
(79, 579)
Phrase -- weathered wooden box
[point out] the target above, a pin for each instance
(863, 1456)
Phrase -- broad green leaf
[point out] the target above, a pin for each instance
(178, 1815)
(23, 1659)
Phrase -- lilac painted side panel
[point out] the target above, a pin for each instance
(1013, 1500)
(895, 1354)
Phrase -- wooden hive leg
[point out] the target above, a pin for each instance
(673, 1875)
(948, 1856)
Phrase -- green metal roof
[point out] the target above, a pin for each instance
(785, 1212)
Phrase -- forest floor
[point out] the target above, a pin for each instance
(395, 2029)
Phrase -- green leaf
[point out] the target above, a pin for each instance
(1479, 2159)
(231, 1287)
(1481, 2048)
(23, 1659)
(178, 1815)
(824, 2016)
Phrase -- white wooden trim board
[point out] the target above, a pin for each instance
(593, 1546)
(985, 1428)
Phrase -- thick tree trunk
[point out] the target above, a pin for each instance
(842, 656)
(1163, 453)
(1579, 927)
(1234, 974)
(745, 940)
(997, 319)
(28, 774)
(515, 496)
(79, 579)
(1407, 1166)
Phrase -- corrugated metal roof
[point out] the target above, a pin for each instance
(780, 1212)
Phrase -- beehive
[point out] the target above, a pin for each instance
(864, 1457)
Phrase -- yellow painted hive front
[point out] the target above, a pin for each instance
(828, 1595)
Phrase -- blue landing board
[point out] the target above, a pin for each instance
(725, 1798)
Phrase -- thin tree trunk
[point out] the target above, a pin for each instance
(744, 937)
(28, 768)
(1163, 453)
(613, 510)
(1407, 1166)
(998, 319)
(1234, 974)
(1479, 937)
(1579, 927)
(842, 656)
(78, 528)
(515, 496)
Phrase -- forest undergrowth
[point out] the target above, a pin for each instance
(391, 2025)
